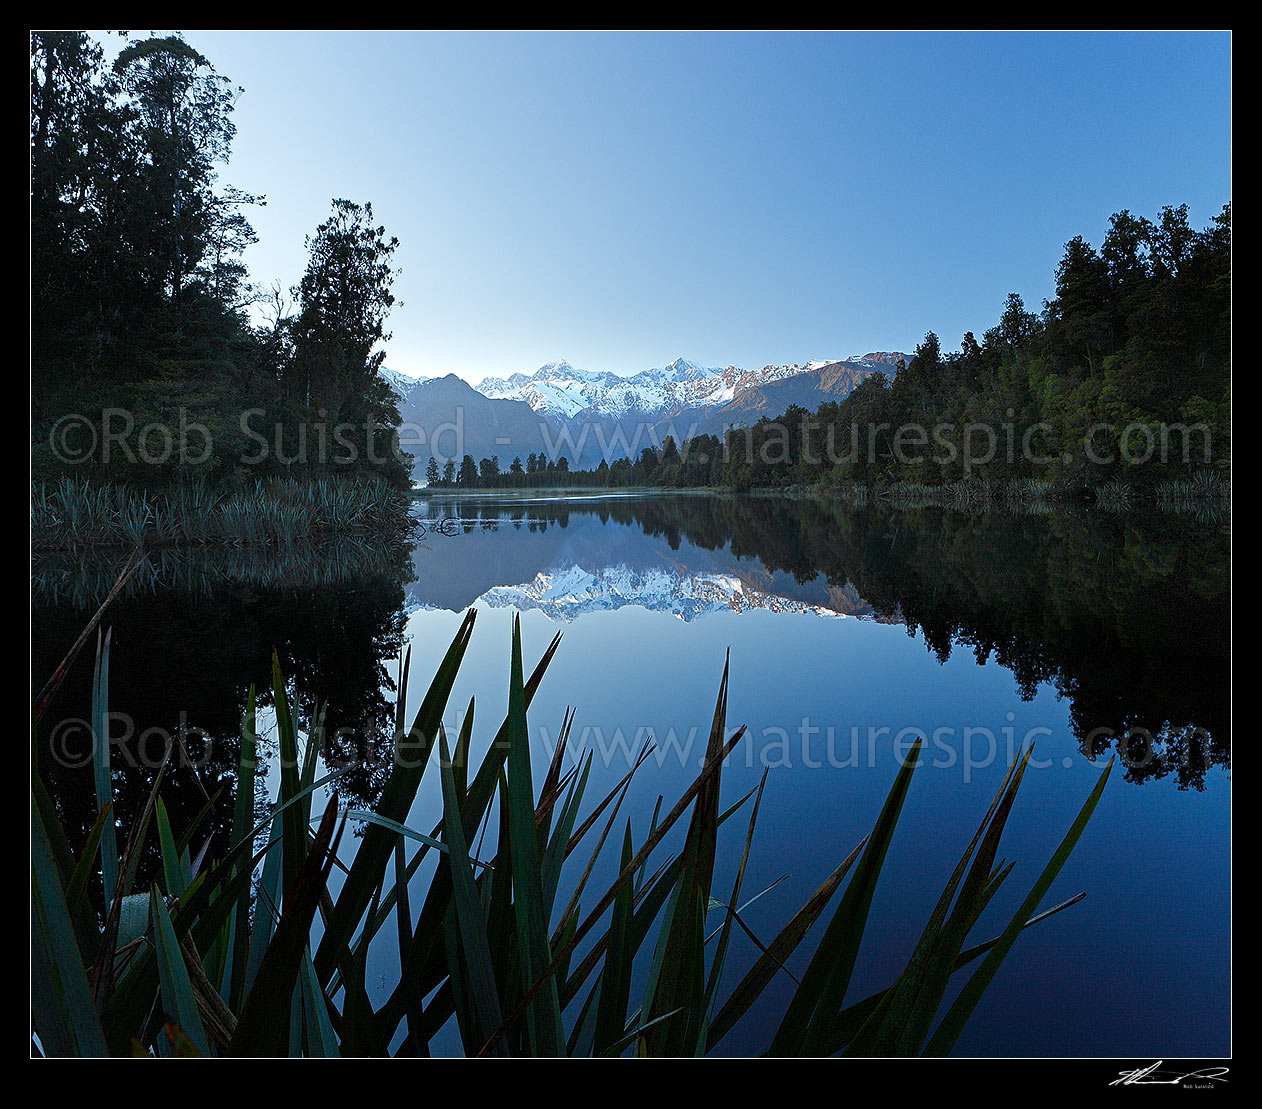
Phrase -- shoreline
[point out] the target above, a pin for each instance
(567, 492)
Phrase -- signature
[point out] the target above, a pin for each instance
(1151, 1076)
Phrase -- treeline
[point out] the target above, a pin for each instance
(664, 466)
(537, 470)
(147, 366)
(1125, 374)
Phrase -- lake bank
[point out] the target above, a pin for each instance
(1208, 499)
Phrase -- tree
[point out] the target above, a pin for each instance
(343, 300)
(468, 472)
(924, 370)
(646, 465)
(449, 472)
(1016, 325)
(431, 471)
(76, 131)
(184, 110)
(132, 246)
(329, 370)
(1171, 241)
(1082, 300)
(139, 289)
(137, 278)
(1125, 251)
(1082, 281)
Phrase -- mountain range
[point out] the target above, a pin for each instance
(585, 415)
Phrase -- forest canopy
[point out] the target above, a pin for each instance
(147, 363)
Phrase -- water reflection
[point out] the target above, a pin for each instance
(1127, 617)
(189, 635)
(83, 579)
(1124, 617)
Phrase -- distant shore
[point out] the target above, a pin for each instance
(573, 491)
(1211, 497)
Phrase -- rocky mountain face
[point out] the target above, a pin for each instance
(585, 415)
(890, 358)
(556, 388)
(400, 383)
(832, 381)
(446, 418)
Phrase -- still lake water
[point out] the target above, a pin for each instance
(850, 632)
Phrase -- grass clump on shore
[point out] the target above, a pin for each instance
(74, 515)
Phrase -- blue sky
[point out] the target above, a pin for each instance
(622, 199)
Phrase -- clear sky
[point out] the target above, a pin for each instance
(622, 199)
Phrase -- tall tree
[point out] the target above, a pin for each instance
(343, 300)
(76, 132)
(184, 118)
(332, 359)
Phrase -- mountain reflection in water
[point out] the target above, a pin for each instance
(1126, 617)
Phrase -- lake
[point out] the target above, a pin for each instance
(850, 632)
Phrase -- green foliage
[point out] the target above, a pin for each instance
(140, 294)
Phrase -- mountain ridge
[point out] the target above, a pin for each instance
(560, 410)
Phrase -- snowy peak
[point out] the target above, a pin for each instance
(560, 370)
(561, 390)
(400, 384)
(568, 592)
(556, 388)
(882, 358)
(683, 370)
(561, 366)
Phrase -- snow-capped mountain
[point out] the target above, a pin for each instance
(587, 415)
(564, 392)
(593, 563)
(561, 391)
(573, 591)
(556, 388)
(401, 384)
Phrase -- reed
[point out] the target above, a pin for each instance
(1022, 496)
(74, 515)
